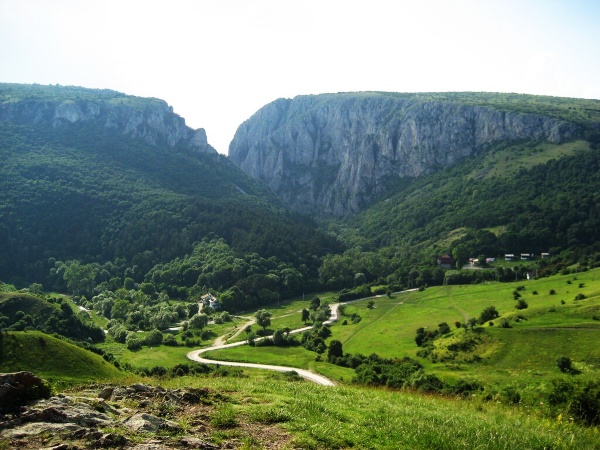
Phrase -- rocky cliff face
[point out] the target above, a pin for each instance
(334, 153)
(149, 119)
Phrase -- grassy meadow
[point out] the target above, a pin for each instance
(318, 417)
(553, 325)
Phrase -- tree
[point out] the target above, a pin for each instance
(119, 309)
(133, 342)
(36, 288)
(198, 321)
(148, 289)
(461, 255)
(335, 350)
(129, 283)
(443, 328)
(305, 315)
(193, 309)
(359, 279)
(315, 303)
(488, 313)
(371, 304)
(79, 277)
(119, 333)
(263, 318)
(279, 338)
(154, 338)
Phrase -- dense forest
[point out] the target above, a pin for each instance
(81, 192)
(89, 211)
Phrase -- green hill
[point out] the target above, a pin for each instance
(22, 311)
(53, 359)
(515, 198)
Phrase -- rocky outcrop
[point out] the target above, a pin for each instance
(148, 119)
(18, 388)
(132, 417)
(335, 153)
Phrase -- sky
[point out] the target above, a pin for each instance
(217, 62)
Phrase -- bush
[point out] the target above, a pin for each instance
(581, 400)
(133, 342)
(488, 313)
(170, 341)
(585, 405)
(565, 364)
(521, 304)
(154, 338)
(511, 396)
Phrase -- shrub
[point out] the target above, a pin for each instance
(170, 341)
(133, 342)
(521, 304)
(585, 405)
(565, 364)
(488, 313)
(511, 396)
(581, 400)
(154, 338)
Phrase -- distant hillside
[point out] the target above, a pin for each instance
(515, 199)
(97, 175)
(336, 154)
(53, 359)
(21, 311)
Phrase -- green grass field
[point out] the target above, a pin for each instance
(523, 354)
(356, 417)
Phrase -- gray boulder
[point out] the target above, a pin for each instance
(19, 388)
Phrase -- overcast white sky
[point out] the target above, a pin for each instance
(218, 61)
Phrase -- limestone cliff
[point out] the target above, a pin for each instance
(60, 107)
(334, 153)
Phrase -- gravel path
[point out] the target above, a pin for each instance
(196, 355)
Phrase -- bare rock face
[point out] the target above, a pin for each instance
(334, 153)
(149, 119)
(18, 388)
(150, 423)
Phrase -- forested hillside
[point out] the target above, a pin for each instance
(516, 198)
(83, 180)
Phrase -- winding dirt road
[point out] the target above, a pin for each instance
(196, 355)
